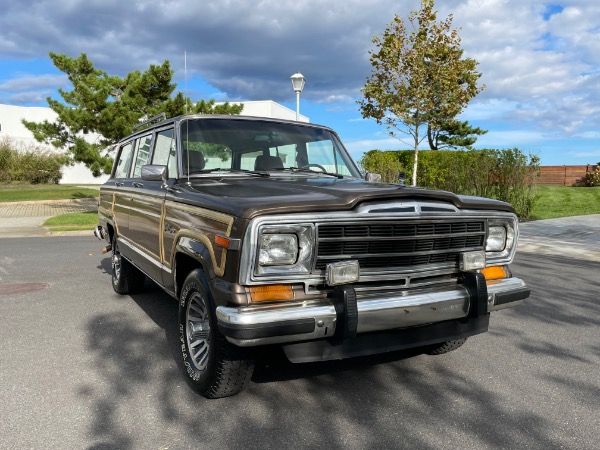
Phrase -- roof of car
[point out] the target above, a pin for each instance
(153, 124)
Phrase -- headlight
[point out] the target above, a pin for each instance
(501, 243)
(496, 241)
(284, 249)
(278, 249)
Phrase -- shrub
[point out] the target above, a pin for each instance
(384, 163)
(28, 163)
(506, 175)
(592, 179)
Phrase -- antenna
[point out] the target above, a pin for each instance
(187, 153)
(185, 78)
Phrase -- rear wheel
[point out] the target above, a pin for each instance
(214, 367)
(126, 278)
(445, 347)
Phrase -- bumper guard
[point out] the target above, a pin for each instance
(276, 323)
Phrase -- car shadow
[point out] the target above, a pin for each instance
(393, 400)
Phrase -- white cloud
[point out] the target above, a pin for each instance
(513, 138)
(589, 135)
(541, 70)
(32, 82)
(490, 109)
(592, 154)
(31, 89)
(341, 98)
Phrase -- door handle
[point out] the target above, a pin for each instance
(118, 184)
(138, 185)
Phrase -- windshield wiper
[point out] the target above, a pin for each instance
(306, 169)
(218, 169)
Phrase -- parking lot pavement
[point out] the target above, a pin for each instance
(82, 367)
(25, 219)
(576, 237)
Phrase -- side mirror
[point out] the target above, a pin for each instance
(402, 178)
(152, 172)
(370, 176)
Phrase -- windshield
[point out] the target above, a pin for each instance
(254, 145)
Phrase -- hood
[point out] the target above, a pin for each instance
(248, 197)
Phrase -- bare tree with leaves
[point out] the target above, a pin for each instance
(419, 78)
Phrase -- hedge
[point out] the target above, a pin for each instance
(506, 175)
(31, 164)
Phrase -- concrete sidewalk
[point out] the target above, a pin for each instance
(25, 219)
(575, 237)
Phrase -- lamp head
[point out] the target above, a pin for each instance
(298, 81)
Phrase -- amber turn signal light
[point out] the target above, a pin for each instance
(494, 272)
(275, 292)
(221, 241)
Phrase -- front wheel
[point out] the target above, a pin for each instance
(214, 367)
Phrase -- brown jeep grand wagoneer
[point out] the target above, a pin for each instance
(266, 234)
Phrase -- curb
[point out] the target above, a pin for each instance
(89, 233)
(51, 202)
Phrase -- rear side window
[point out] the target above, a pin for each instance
(124, 162)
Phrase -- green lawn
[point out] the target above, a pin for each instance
(73, 222)
(33, 192)
(565, 201)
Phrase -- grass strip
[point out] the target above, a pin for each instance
(38, 192)
(73, 221)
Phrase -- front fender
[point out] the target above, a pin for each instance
(198, 251)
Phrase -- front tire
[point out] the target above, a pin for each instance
(214, 367)
(126, 278)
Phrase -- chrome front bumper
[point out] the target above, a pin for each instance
(317, 319)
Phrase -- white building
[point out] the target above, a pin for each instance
(12, 127)
(269, 108)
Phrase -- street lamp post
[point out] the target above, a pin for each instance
(298, 84)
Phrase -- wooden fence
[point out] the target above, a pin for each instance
(563, 175)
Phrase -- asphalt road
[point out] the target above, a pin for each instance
(81, 367)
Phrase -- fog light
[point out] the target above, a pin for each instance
(342, 272)
(472, 260)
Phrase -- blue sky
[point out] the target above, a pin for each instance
(540, 61)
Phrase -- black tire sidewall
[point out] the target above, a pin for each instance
(131, 279)
(200, 380)
(117, 282)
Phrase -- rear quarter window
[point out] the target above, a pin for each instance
(124, 162)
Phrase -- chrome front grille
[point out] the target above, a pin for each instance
(399, 244)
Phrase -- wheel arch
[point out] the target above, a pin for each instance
(190, 255)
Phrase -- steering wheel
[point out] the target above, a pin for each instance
(318, 166)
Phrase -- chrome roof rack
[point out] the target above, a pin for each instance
(157, 118)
